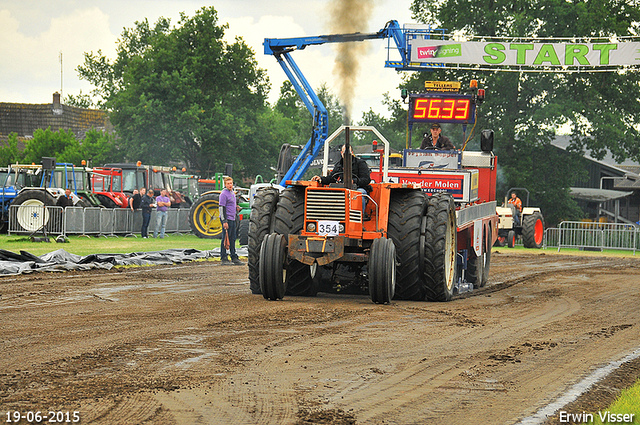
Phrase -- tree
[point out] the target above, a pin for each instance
(9, 152)
(525, 108)
(183, 93)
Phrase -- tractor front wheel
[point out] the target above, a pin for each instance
(273, 272)
(382, 271)
(204, 217)
(260, 225)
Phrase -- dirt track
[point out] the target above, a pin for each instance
(188, 344)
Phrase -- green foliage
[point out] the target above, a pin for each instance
(97, 147)
(524, 109)
(183, 93)
(79, 101)
(9, 152)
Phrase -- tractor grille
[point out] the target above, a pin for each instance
(326, 205)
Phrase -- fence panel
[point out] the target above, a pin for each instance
(122, 221)
(172, 221)
(106, 221)
(92, 221)
(32, 218)
(74, 220)
(183, 220)
(584, 235)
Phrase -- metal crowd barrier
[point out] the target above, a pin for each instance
(593, 236)
(33, 218)
(27, 219)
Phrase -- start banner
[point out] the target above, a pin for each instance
(511, 53)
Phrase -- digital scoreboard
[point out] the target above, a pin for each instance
(442, 108)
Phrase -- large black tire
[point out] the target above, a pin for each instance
(289, 220)
(243, 232)
(511, 238)
(533, 230)
(382, 271)
(83, 203)
(273, 254)
(478, 267)
(204, 217)
(106, 201)
(440, 248)
(406, 210)
(29, 219)
(260, 225)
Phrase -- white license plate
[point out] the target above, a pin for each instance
(328, 228)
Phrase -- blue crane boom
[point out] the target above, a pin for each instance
(281, 49)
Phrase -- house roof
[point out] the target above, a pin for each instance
(24, 118)
(597, 195)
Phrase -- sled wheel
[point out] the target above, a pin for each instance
(511, 239)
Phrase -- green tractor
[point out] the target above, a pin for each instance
(204, 214)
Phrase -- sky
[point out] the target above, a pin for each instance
(36, 33)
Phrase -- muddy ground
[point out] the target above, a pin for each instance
(188, 344)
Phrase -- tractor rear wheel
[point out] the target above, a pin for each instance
(204, 217)
(260, 225)
(243, 232)
(511, 239)
(289, 220)
(405, 221)
(440, 247)
(32, 219)
(273, 272)
(533, 230)
(382, 271)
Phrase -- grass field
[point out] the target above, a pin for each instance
(115, 245)
(628, 403)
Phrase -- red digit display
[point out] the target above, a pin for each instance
(449, 109)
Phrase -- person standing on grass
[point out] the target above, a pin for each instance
(163, 203)
(146, 204)
(227, 206)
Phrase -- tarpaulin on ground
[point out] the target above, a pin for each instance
(61, 260)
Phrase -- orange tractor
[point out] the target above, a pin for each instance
(417, 245)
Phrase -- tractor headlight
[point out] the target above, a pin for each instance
(341, 228)
(311, 227)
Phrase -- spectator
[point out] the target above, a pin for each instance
(227, 205)
(146, 204)
(163, 204)
(66, 200)
(134, 201)
(436, 140)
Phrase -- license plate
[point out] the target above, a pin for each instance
(328, 228)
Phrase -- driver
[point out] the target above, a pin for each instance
(361, 175)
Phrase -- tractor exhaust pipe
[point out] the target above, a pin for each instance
(346, 161)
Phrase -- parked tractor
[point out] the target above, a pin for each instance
(529, 224)
(14, 178)
(204, 214)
